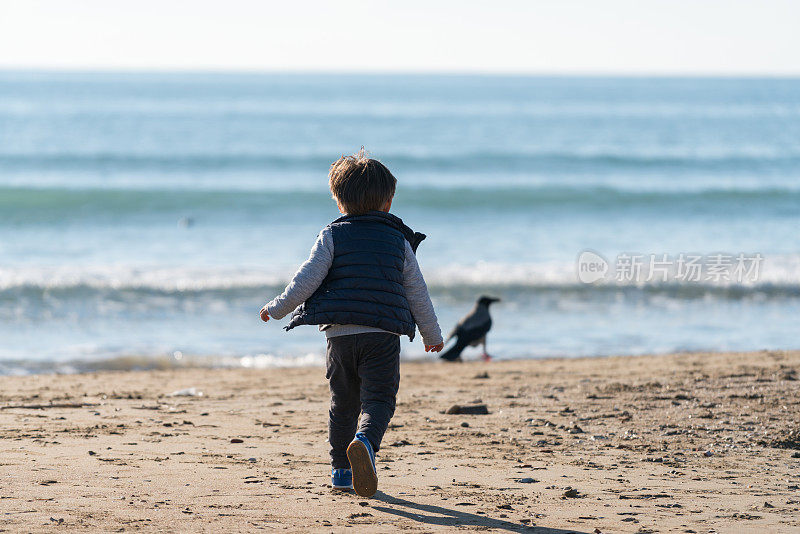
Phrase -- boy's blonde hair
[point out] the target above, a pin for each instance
(361, 184)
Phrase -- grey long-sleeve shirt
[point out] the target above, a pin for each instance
(311, 274)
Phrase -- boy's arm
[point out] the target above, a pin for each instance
(307, 278)
(420, 301)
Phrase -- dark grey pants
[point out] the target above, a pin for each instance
(364, 373)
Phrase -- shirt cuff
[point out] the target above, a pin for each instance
(432, 341)
(271, 310)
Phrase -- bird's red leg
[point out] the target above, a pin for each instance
(485, 356)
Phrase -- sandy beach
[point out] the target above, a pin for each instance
(674, 443)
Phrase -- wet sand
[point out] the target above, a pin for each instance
(675, 443)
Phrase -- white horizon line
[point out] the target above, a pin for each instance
(576, 73)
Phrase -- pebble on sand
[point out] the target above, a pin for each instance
(186, 392)
(468, 409)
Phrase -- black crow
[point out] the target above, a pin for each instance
(471, 330)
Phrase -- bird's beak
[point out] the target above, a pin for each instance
(495, 299)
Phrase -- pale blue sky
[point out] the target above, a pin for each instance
(515, 36)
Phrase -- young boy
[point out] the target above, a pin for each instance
(363, 287)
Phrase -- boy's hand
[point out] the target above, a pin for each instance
(434, 348)
(264, 314)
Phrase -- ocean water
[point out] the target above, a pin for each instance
(146, 218)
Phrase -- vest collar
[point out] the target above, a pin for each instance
(413, 238)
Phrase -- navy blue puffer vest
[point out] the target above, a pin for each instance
(364, 285)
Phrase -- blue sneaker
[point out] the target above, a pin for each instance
(342, 479)
(362, 460)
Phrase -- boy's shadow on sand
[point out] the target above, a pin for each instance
(437, 515)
